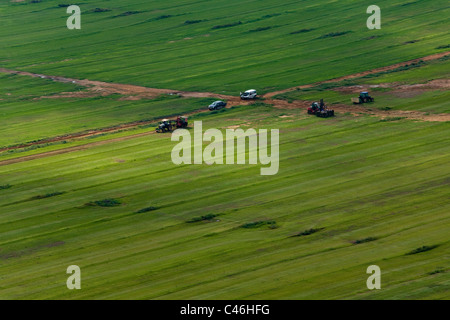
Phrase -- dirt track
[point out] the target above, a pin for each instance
(132, 92)
(361, 74)
(439, 84)
(359, 109)
(99, 88)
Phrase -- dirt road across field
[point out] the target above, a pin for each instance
(133, 92)
(362, 74)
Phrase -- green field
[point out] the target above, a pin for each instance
(352, 191)
(158, 47)
(352, 177)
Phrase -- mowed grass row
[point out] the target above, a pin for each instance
(220, 46)
(356, 178)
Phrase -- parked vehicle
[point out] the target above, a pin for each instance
(216, 105)
(249, 94)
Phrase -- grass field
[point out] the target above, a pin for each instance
(158, 47)
(352, 191)
(353, 177)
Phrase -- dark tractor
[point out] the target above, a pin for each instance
(165, 125)
(364, 97)
(320, 110)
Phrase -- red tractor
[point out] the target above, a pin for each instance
(181, 122)
(320, 110)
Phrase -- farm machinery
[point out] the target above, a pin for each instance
(364, 97)
(166, 125)
(320, 110)
(181, 122)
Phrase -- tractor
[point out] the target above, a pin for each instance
(320, 110)
(181, 122)
(314, 108)
(165, 125)
(364, 97)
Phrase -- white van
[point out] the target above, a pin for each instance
(249, 94)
